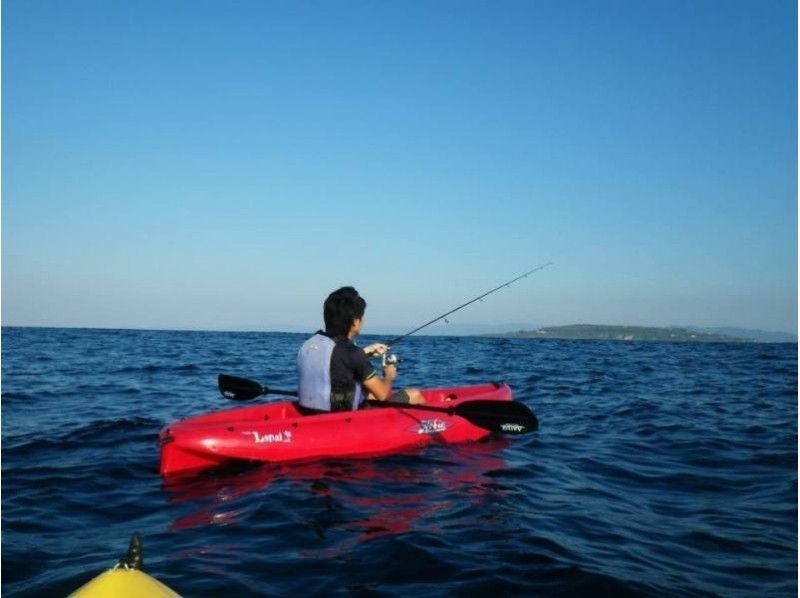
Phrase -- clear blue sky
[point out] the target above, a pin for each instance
(225, 165)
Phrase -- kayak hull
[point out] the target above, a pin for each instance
(278, 432)
(124, 583)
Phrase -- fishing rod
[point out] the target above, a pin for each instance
(396, 340)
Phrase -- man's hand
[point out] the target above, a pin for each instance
(376, 349)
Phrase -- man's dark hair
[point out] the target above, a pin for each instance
(341, 308)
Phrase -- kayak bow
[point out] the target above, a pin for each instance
(126, 579)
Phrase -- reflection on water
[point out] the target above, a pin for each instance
(374, 500)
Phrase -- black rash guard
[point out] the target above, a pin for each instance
(349, 366)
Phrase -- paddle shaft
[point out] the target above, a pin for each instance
(283, 393)
(250, 389)
(509, 417)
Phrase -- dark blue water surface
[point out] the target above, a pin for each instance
(658, 469)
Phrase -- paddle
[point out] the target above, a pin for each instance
(242, 389)
(507, 417)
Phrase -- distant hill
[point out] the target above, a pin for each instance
(760, 336)
(624, 333)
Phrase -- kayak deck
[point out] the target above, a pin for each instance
(278, 432)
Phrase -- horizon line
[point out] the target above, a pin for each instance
(532, 328)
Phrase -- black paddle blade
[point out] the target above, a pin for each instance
(504, 417)
(239, 389)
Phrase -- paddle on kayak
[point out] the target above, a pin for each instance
(506, 417)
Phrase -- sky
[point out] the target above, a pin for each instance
(198, 164)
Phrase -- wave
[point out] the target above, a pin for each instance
(97, 434)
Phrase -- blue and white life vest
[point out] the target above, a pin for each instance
(314, 374)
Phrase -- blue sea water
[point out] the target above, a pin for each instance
(658, 469)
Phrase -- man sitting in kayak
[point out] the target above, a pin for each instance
(333, 372)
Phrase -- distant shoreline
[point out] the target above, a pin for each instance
(630, 334)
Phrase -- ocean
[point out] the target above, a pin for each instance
(659, 469)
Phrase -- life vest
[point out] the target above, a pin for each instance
(314, 374)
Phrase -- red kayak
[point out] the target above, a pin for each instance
(278, 432)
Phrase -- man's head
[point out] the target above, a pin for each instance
(342, 308)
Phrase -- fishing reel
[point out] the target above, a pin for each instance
(386, 358)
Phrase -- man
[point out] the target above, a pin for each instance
(333, 372)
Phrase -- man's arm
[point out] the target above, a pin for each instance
(381, 389)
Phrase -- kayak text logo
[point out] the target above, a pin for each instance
(432, 426)
(285, 436)
(512, 428)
